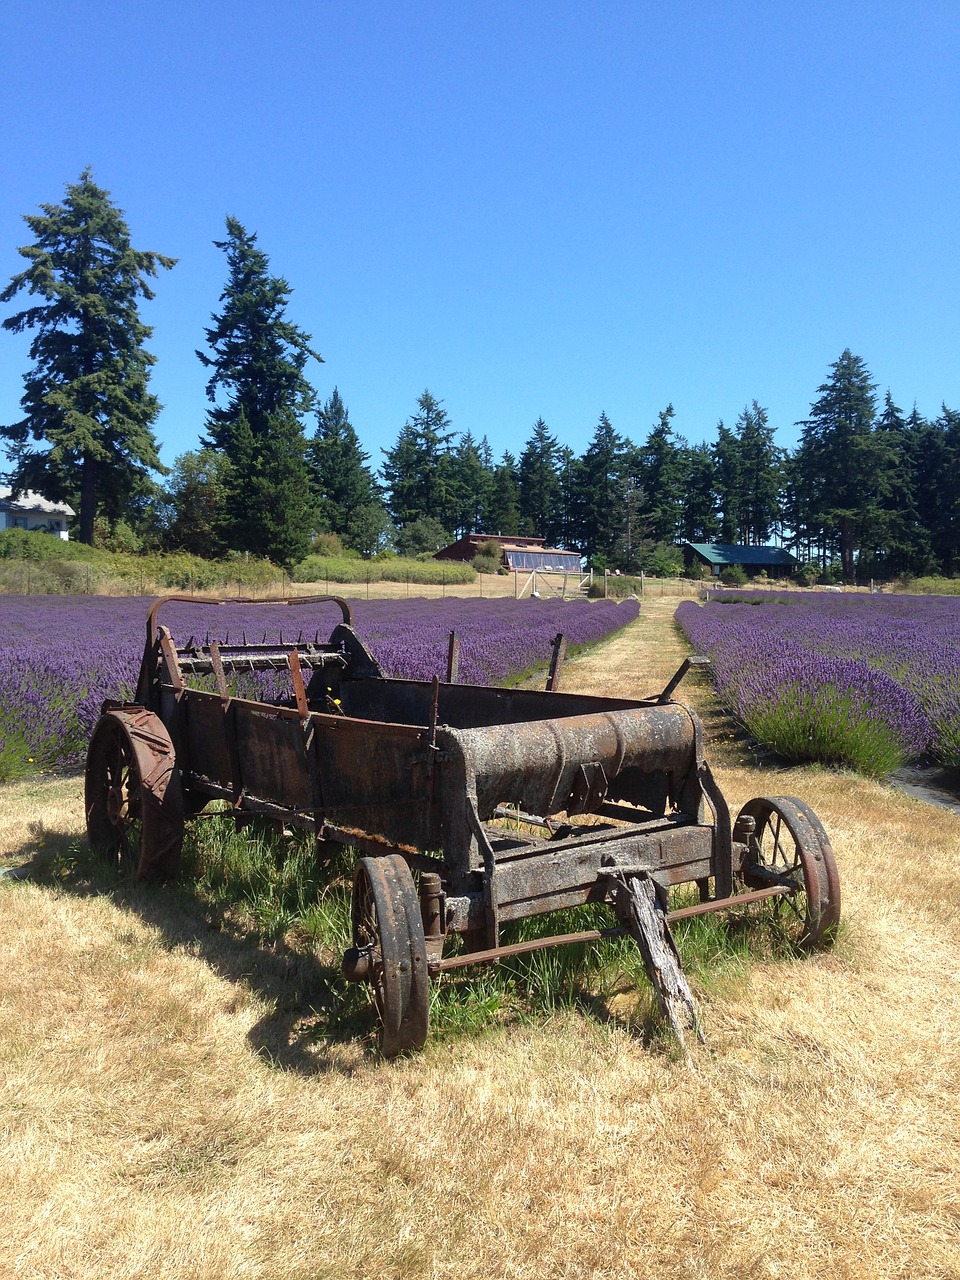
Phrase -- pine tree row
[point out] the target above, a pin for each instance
(871, 488)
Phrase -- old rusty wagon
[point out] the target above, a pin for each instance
(610, 801)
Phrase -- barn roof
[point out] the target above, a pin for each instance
(732, 553)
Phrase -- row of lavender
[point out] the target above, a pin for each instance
(866, 681)
(60, 656)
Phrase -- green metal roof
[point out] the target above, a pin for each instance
(730, 553)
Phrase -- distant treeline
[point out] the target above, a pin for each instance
(869, 490)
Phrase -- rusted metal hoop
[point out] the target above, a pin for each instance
(134, 800)
(790, 841)
(388, 934)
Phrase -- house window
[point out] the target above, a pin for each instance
(20, 522)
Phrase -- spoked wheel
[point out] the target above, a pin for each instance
(389, 948)
(134, 802)
(790, 847)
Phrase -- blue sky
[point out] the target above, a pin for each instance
(530, 209)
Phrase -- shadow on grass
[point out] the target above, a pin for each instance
(313, 1013)
(315, 1021)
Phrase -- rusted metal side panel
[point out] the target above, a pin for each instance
(378, 778)
(202, 727)
(274, 764)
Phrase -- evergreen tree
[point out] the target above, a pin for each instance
(761, 479)
(257, 362)
(600, 510)
(634, 546)
(258, 355)
(698, 518)
(341, 478)
(906, 546)
(565, 523)
(539, 484)
(503, 513)
(941, 496)
(658, 468)
(274, 508)
(418, 472)
(845, 465)
(728, 483)
(86, 397)
(472, 482)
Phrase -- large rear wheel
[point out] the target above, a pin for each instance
(134, 802)
(790, 847)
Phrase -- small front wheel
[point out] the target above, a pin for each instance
(790, 847)
(390, 950)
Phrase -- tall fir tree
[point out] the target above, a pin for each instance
(698, 517)
(503, 513)
(941, 500)
(539, 484)
(600, 511)
(760, 476)
(728, 484)
(565, 524)
(342, 480)
(258, 355)
(658, 468)
(86, 399)
(473, 480)
(259, 396)
(845, 466)
(906, 544)
(418, 472)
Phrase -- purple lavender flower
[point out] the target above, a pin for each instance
(61, 656)
(866, 667)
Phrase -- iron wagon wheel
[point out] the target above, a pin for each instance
(133, 796)
(791, 846)
(388, 931)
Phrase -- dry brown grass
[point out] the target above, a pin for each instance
(165, 1113)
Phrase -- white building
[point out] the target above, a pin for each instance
(31, 511)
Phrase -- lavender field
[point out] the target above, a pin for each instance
(864, 681)
(60, 656)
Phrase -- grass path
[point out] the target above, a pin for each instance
(166, 1108)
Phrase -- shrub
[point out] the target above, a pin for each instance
(398, 569)
(734, 575)
(329, 544)
(930, 586)
(664, 561)
(489, 557)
